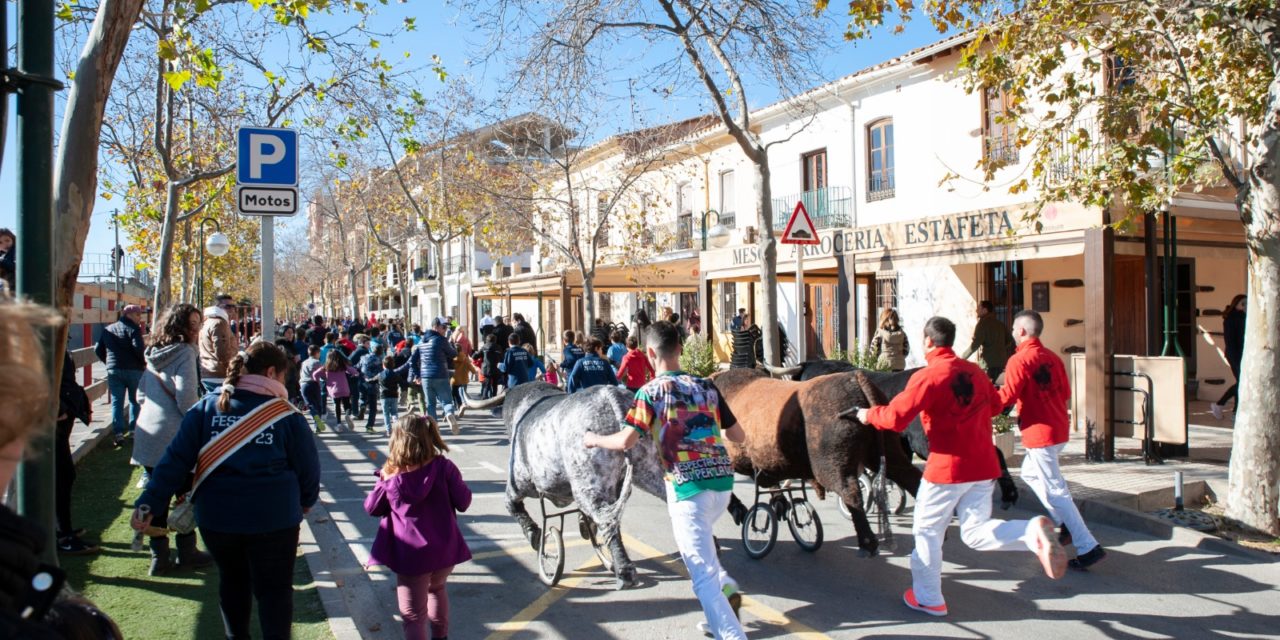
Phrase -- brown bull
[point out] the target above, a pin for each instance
(796, 430)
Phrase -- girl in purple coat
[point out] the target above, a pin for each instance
(334, 376)
(418, 492)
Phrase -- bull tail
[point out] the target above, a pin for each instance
(613, 513)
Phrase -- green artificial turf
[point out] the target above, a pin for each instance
(182, 604)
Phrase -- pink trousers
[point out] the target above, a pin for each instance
(423, 602)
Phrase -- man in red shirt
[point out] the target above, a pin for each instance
(957, 401)
(1036, 379)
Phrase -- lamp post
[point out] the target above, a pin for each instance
(218, 245)
(718, 228)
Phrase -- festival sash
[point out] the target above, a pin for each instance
(225, 444)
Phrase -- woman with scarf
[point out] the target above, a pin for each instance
(251, 492)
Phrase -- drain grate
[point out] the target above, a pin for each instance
(1198, 520)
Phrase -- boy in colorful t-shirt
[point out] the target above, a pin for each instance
(686, 417)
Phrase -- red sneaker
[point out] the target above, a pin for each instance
(1051, 554)
(909, 597)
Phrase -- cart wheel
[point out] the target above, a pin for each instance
(805, 525)
(844, 508)
(602, 553)
(759, 531)
(896, 499)
(551, 556)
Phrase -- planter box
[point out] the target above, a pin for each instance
(1004, 442)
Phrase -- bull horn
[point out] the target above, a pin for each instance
(482, 404)
(782, 372)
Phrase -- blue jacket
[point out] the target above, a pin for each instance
(570, 356)
(590, 371)
(430, 359)
(516, 363)
(370, 365)
(616, 351)
(120, 346)
(263, 487)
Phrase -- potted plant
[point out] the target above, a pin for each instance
(1002, 433)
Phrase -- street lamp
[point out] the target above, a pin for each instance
(718, 229)
(217, 245)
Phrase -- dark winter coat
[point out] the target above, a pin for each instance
(121, 347)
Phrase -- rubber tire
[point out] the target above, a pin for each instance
(606, 558)
(897, 497)
(552, 541)
(771, 522)
(815, 523)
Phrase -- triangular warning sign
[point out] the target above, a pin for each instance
(800, 229)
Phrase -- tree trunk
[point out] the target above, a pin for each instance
(589, 300)
(76, 177)
(439, 260)
(1254, 473)
(402, 265)
(164, 270)
(355, 295)
(188, 273)
(768, 248)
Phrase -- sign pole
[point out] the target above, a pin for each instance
(800, 308)
(268, 278)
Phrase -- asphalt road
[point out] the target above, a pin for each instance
(1146, 588)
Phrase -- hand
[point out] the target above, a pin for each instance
(589, 440)
(862, 415)
(139, 523)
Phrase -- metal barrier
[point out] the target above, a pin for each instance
(1149, 454)
(97, 307)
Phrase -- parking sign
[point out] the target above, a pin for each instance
(267, 157)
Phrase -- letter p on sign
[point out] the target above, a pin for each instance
(267, 156)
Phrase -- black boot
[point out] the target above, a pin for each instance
(160, 561)
(189, 557)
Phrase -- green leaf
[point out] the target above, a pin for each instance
(257, 4)
(166, 50)
(175, 79)
(64, 12)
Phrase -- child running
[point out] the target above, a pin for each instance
(418, 495)
(389, 384)
(686, 417)
(334, 376)
(635, 369)
(311, 390)
(462, 370)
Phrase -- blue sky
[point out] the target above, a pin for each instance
(441, 31)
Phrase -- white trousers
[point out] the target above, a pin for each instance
(692, 522)
(1041, 472)
(971, 502)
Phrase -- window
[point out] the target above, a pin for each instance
(684, 216)
(1002, 285)
(880, 160)
(728, 304)
(886, 291)
(605, 310)
(1119, 74)
(602, 214)
(815, 170)
(728, 199)
(999, 133)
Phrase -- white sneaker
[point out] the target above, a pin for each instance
(347, 421)
(142, 482)
(453, 423)
(1216, 410)
(706, 629)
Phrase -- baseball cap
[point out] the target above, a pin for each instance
(439, 322)
(134, 308)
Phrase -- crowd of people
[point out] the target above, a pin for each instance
(220, 427)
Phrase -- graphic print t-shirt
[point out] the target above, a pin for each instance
(684, 415)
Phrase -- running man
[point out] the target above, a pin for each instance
(1036, 380)
(956, 400)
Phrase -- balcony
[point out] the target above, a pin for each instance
(456, 264)
(1000, 151)
(880, 186)
(829, 208)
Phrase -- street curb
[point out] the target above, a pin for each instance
(87, 446)
(1125, 518)
(341, 623)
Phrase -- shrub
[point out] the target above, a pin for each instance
(860, 358)
(699, 358)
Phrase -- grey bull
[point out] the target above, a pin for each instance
(548, 460)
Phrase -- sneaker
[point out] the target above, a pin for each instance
(142, 482)
(734, 595)
(453, 423)
(1047, 548)
(462, 410)
(1064, 536)
(909, 598)
(706, 629)
(117, 442)
(74, 533)
(368, 428)
(1082, 562)
(74, 546)
(1216, 410)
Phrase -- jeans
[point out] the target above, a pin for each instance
(1041, 472)
(122, 382)
(971, 502)
(437, 390)
(65, 475)
(255, 565)
(424, 602)
(315, 401)
(390, 411)
(357, 388)
(692, 522)
(370, 400)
